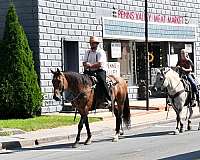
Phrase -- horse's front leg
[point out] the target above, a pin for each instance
(89, 135)
(181, 123)
(178, 121)
(80, 126)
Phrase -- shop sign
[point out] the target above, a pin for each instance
(151, 17)
(188, 48)
(113, 68)
(116, 50)
(172, 60)
(118, 28)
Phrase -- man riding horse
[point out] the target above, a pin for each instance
(185, 65)
(94, 65)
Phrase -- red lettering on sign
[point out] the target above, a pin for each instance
(151, 17)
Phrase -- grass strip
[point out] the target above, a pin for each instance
(42, 122)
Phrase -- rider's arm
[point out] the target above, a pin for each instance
(187, 70)
(86, 64)
(96, 65)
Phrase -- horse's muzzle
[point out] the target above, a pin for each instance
(56, 98)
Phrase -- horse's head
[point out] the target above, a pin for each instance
(161, 80)
(59, 84)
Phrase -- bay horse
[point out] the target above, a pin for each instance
(82, 87)
(178, 95)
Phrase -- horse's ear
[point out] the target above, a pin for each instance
(52, 72)
(162, 70)
(58, 70)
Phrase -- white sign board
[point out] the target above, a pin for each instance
(116, 50)
(188, 48)
(172, 60)
(113, 68)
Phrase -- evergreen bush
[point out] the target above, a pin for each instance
(20, 94)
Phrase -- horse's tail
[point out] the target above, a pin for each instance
(126, 112)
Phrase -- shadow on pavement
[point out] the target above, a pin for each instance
(56, 146)
(152, 134)
(191, 155)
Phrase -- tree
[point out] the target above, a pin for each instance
(20, 94)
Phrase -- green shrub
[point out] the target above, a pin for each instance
(20, 94)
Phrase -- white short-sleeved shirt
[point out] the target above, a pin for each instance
(98, 56)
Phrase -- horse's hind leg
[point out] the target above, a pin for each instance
(189, 127)
(197, 99)
(199, 126)
(121, 131)
(80, 126)
(178, 121)
(118, 125)
(88, 140)
(177, 125)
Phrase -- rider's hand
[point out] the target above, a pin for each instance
(88, 65)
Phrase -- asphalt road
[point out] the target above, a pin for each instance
(154, 142)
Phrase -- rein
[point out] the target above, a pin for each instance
(176, 94)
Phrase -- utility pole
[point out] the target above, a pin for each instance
(147, 56)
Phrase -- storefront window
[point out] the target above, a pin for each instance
(177, 46)
(125, 58)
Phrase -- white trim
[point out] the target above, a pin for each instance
(149, 39)
(138, 21)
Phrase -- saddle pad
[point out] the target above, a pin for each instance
(111, 82)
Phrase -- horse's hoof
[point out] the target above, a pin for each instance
(199, 127)
(121, 133)
(88, 141)
(176, 132)
(75, 145)
(115, 139)
(181, 131)
(189, 128)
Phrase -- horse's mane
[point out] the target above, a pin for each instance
(173, 77)
(76, 79)
(173, 74)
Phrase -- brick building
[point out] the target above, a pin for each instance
(59, 31)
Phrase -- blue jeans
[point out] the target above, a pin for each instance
(193, 83)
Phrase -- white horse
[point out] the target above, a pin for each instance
(178, 96)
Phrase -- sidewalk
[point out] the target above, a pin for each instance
(139, 118)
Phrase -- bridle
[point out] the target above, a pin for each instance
(61, 83)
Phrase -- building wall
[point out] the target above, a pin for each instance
(77, 20)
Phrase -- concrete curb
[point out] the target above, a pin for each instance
(34, 142)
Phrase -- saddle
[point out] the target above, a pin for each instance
(110, 82)
(186, 83)
(188, 88)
